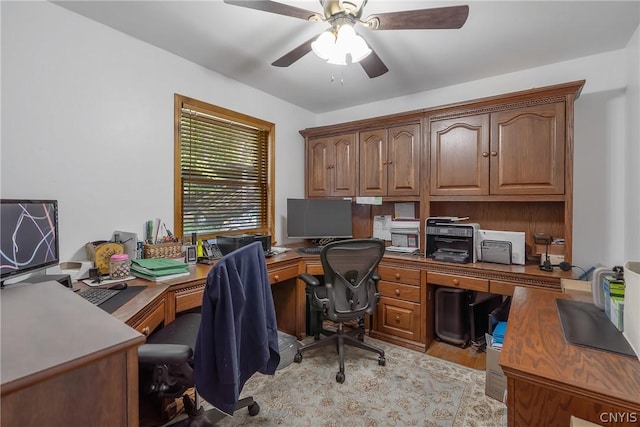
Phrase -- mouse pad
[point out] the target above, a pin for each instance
(118, 300)
(585, 324)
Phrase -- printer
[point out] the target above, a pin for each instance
(231, 242)
(450, 241)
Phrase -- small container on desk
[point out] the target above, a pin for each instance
(119, 266)
(163, 250)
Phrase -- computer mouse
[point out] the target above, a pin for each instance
(118, 286)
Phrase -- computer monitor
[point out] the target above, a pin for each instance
(29, 236)
(319, 218)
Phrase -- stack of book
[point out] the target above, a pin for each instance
(159, 269)
(498, 335)
(613, 289)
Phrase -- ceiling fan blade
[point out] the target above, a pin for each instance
(440, 18)
(275, 7)
(373, 65)
(295, 54)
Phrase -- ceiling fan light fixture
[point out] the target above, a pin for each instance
(359, 50)
(324, 45)
(334, 46)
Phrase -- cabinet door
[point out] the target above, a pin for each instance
(459, 156)
(528, 150)
(331, 166)
(319, 159)
(373, 163)
(343, 168)
(403, 161)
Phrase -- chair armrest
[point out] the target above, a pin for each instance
(375, 277)
(171, 354)
(309, 279)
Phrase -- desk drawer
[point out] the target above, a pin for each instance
(455, 281)
(189, 298)
(315, 269)
(399, 275)
(399, 290)
(399, 318)
(283, 274)
(152, 320)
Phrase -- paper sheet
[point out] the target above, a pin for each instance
(404, 210)
(382, 227)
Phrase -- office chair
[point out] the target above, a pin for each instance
(349, 292)
(219, 349)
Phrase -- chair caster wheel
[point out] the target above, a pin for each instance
(297, 358)
(340, 377)
(382, 361)
(254, 409)
(361, 337)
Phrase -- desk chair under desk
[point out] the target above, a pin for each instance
(188, 351)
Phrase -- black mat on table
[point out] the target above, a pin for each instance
(585, 324)
(119, 299)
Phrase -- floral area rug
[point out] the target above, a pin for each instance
(413, 389)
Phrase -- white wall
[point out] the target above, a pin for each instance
(87, 118)
(632, 151)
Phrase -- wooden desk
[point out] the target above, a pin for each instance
(160, 302)
(548, 379)
(65, 362)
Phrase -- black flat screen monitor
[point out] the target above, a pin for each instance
(318, 218)
(29, 239)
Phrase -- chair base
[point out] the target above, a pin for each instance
(198, 417)
(340, 339)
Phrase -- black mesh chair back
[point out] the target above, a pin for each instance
(350, 291)
(348, 269)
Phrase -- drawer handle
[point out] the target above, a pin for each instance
(397, 292)
(145, 331)
(397, 276)
(276, 277)
(456, 282)
(397, 319)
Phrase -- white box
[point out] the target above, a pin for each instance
(517, 239)
(496, 381)
(632, 304)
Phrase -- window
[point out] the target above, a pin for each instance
(223, 171)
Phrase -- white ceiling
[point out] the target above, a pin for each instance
(499, 37)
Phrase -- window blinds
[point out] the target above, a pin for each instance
(224, 174)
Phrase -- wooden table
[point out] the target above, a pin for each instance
(65, 362)
(548, 379)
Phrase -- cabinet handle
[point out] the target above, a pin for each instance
(145, 331)
(276, 277)
(485, 154)
(456, 282)
(494, 153)
(397, 276)
(397, 319)
(397, 292)
(390, 162)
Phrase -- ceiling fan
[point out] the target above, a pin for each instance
(343, 16)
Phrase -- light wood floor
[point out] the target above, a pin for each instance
(470, 357)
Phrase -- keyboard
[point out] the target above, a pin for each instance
(97, 296)
(311, 250)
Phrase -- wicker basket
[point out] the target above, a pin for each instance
(163, 250)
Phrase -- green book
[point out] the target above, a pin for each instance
(157, 264)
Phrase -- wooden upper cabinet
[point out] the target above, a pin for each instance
(518, 151)
(459, 151)
(331, 166)
(528, 150)
(390, 161)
